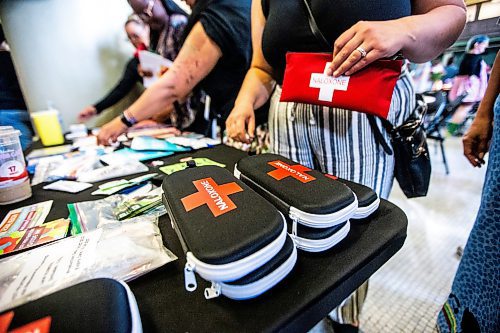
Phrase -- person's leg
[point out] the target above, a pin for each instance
(344, 145)
(19, 119)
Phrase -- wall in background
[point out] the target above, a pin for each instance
(66, 53)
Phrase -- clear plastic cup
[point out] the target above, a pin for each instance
(48, 127)
(14, 182)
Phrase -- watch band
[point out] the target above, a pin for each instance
(127, 119)
(124, 120)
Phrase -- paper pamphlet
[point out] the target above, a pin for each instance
(31, 237)
(52, 263)
(25, 217)
(121, 251)
(154, 63)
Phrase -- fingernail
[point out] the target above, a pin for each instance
(336, 73)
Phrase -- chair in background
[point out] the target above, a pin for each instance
(438, 112)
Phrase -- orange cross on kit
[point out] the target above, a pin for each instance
(284, 170)
(40, 325)
(215, 196)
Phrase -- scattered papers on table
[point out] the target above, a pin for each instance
(66, 169)
(149, 143)
(85, 143)
(159, 131)
(113, 171)
(68, 186)
(34, 236)
(26, 217)
(120, 251)
(126, 155)
(116, 186)
(50, 151)
(170, 169)
(195, 143)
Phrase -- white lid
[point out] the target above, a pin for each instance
(43, 112)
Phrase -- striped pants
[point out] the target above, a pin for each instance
(340, 142)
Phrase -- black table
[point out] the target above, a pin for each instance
(317, 284)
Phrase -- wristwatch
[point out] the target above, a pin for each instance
(128, 121)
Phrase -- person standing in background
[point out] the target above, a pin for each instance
(214, 57)
(471, 80)
(474, 302)
(13, 110)
(334, 140)
(138, 34)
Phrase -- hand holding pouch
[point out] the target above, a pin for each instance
(368, 90)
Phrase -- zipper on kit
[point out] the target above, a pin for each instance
(189, 277)
(214, 291)
(295, 220)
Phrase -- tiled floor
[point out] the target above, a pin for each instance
(406, 294)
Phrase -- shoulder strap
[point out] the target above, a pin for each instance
(314, 27)
(379, 138)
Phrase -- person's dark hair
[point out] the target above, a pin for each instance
(2, 35)
(172, 8)
(476, 40)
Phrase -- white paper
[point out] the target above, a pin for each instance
(54, 263)
(112, 171)
(152, 62)
(67, 186)
(121, 251)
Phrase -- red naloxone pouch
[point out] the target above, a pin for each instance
(368, 90)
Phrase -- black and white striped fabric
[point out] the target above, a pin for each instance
(338, 141)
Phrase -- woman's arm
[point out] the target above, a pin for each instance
(433, 26)
(196, 59)
(476, 140)
(257, 86)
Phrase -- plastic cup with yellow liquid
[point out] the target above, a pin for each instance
(48, 127)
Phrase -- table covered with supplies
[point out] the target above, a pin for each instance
(318, 283)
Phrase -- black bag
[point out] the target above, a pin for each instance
(317, 209)
(228, 232)
(412, 160)
(100, 305)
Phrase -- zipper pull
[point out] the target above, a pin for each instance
(189, 277)
(294, 224)
(237, 172)
(213, 291)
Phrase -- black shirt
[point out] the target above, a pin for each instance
(129, 78)
(470, 65)
(11, 97)
(227, 23)
(287, 28)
